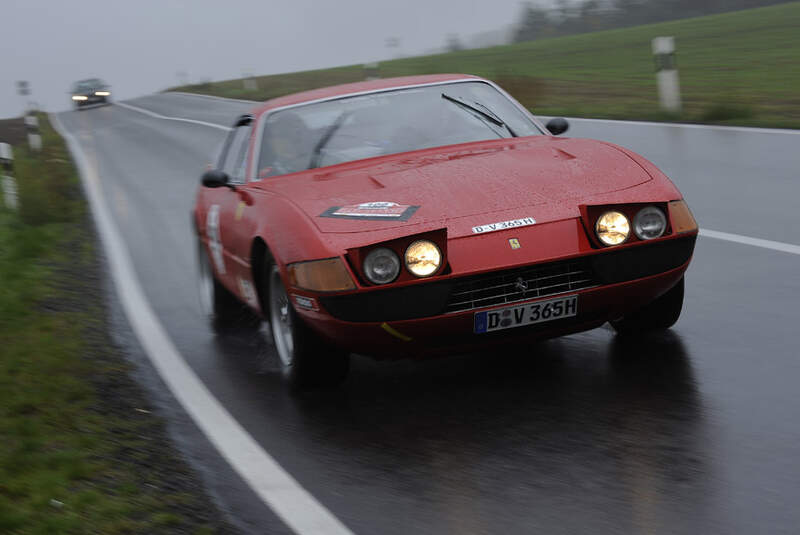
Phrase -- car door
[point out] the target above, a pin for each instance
(227, 235)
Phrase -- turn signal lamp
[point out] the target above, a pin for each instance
(682, 218)
(613, 228)
(423, 258)
(329, 275)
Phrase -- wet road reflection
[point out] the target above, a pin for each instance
(587, 430)
(692, 431)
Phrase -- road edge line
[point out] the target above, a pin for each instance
(755, 242)
(752, 129)
(169, 118)
(745, 129)
(294, 505)
(213, 97)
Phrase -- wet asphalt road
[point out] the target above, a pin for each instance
(695, 430)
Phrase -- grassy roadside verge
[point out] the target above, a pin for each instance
(80, 450)
(737, 68)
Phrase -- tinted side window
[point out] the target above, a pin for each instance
(234, 160)
(226, 149)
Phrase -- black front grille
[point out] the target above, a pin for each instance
(501, 287)
(431, 298)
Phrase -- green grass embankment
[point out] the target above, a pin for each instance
(735, 68)
(80, 451)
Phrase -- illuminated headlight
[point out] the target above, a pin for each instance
(649, 223)
(79, 97)
(381, 266)
(423, 258)
(613, 228)
(102, 93)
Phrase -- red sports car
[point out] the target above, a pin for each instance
(427, 215)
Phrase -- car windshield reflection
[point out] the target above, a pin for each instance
(388, 122)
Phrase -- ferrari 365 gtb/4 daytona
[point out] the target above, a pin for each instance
(430, 215)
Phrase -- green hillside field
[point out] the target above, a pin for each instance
(739, 68)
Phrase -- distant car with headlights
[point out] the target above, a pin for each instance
(90, 91)
(421, 216)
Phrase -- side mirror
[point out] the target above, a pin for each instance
(215, 178)
(557, 126)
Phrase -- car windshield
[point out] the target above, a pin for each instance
(389, 122)
(88, 85)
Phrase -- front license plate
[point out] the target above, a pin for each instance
(527, 314)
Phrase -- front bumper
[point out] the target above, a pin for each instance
(425, 319)
(91, 99)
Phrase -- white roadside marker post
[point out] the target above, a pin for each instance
(371, 71)
(24, 90)
(669, 90)
(7, 182)
(34, 137)
(249, 82)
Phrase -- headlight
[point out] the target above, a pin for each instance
(79, 97)
(649, 223)
(381, 266)
(327, 275)
(613, 228)
(423, 258)
(102, 93)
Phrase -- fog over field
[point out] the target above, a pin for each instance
(147, 45)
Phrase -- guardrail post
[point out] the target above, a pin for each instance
(7, 182)
(34, 137)
(669, 90)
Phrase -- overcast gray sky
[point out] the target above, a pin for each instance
(139, 45)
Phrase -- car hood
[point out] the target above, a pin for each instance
(543, 177)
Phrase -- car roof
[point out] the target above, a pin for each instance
(358, 87)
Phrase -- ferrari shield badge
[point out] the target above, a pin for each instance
(514, 243)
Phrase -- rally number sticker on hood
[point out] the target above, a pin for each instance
(376, 211)
(503, 225)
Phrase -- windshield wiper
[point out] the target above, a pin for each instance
(326, 137)
(482, 110)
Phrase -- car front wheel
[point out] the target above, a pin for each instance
(305, 359)
(659, 315)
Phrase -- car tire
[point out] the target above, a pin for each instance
(306, 360)
(659, 315)
(222, 307)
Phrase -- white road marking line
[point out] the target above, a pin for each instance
(755, 242)
(168, 118)
(213, 97)
(745, 129)
(543, 118)
(755, 130)
(290, 501)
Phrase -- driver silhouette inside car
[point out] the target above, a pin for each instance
(286, 147)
